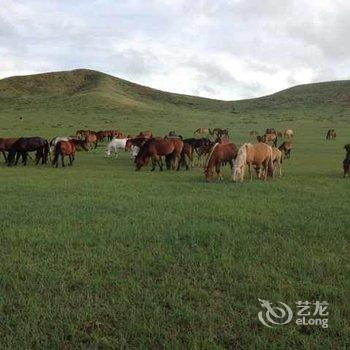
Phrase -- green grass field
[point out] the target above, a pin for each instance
(99, 256)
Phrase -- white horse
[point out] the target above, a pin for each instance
(114, 145)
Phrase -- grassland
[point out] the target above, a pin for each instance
(100, 256)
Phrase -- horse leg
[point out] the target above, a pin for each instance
(62, 160)
(217, 169)
(4, 154)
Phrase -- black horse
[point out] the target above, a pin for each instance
(28, 144)
(346, 162)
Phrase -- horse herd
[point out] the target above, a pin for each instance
(172, 151)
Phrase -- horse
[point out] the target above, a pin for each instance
(136, 141)
(186, 158)
(156, 148)
(145, 134)
(258, 155)
(23, 145)
(277, 160)
(346, 161)
(270, 131)
(269, 138)
(279, 134)
(219, 132)
(5, 145)
(114, 145)
(91, 139)
(67, 148)
(221, 153)
(200, 146)
(286, 148)
(84, 133)
(203, 131)
(331, 134)
(288, 134)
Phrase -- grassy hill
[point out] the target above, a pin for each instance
(98, 256)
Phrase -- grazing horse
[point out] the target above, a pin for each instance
(203, 131)
(200, 146)
(136, 141)
(145, 134)
(91, 139)
(346, 161)
(286, 148)
(269, 138)
(289, 134)
(277, 160)
(67, 148)
(5, 145)
(331, 134)
(114, 145)
(258, 155)
(156, 148)
(186, 156)
(23, 145)
(220, 153)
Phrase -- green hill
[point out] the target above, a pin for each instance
(87, 98)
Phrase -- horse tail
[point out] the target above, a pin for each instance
(57, 152)
(11, 156)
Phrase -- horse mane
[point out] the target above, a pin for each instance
(242, 154)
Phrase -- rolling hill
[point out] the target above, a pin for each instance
(87, 98)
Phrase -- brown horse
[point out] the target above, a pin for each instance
(346, 161)
(270, 131)
(156, 148)
(186, 156)
(220, 153)
(91, 139)
(218, 132)
(5, 145)
(68, 148)
(277, 160)
(258, 155)
(286, 148)
(145, 134)
(136, 141)
(331, 134)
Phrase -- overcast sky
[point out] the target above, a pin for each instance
(227, 49)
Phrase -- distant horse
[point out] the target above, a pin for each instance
(91, 139)
(219, 132)
(277, 160)
(286, 148)
(269, 138)
(5, 145)
(346, 162)
(331, 134)
(156, 148)
(67, 148)
(279, 134)
(84, 133)
(289, 134)
(258, 155)
(145, 134)
(114, 145)
(220, 154)
(23, 145)
(270, 131)
(203, 131)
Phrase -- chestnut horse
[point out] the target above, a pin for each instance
(68, 148)
(277, 160)
(5, 145)
(136, 141)
(331, 134)
(156, 148)
(220, 153)
(91, 139)
(258, 155)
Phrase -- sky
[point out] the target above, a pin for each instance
(224, 49)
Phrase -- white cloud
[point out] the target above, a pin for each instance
(226, 49)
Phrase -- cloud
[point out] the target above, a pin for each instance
(227, 49)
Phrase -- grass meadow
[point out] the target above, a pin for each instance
(98, 256)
